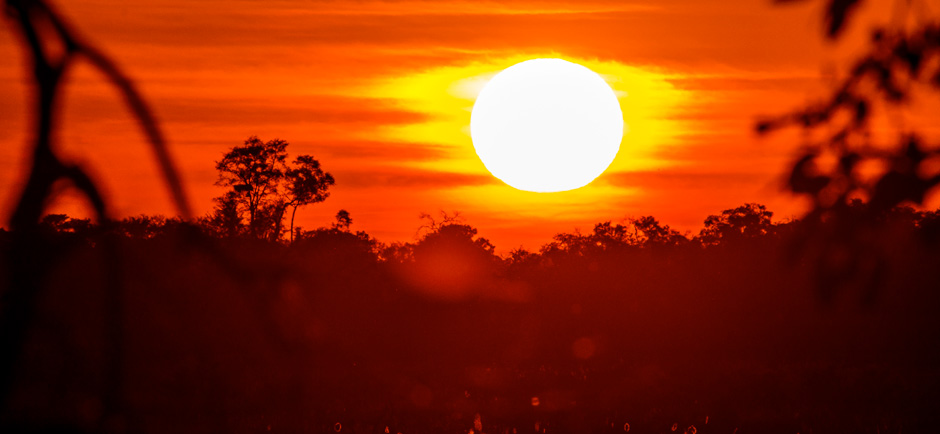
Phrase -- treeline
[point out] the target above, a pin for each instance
(747, 223)
(631, 323)
(448, 255)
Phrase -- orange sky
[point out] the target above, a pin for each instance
(381, 92)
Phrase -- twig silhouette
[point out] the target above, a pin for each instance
(48, 73)
(32, 257)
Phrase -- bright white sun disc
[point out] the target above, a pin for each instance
(546, 125)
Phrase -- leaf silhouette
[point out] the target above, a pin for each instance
(836, 15)
(803, 180)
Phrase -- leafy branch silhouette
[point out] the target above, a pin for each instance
(847, 219)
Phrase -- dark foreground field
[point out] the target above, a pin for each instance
(334, 334)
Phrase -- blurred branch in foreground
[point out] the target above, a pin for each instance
(843, 166)
(53, 47)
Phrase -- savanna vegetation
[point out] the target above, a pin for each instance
(631, 325)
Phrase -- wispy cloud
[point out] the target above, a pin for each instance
(410, 178)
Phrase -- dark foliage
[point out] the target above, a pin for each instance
(631, 323)
(745, 222)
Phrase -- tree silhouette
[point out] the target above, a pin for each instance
(460, 236)
(307, 183)
(605, 237)
(254, 170)
(269, 218)
(432, 224)
(520, 257)
(748, 221)
(146, 226)
(609, 238)
(343, 220)
(337, 247)
(264, 186)
(655, 233)
(450, 260)
(225, 220)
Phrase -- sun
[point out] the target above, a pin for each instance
(546, 125)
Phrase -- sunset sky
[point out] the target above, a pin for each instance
(381, 92)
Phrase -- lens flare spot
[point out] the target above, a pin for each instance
(584, 348)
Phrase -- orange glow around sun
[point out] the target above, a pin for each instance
(382, 94)
(446, 96)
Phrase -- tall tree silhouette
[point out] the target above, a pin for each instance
(307, 183)
(264, 186)
(254, 171)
